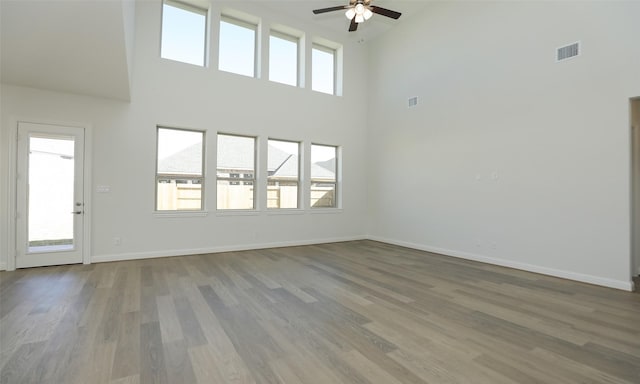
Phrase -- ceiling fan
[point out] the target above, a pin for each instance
(358, 11)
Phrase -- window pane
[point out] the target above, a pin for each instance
(282, 194)
(323, 195)
(323, 162)
(51, 196)
(183, 35)
(236, 161)
(323, 68)
(283, 167)
(180, 152)
(237, 49)
(235, 194)
(283, 159)
(283, 60)
(179, 194)
(236, 156)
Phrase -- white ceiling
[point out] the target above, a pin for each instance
(81, 46)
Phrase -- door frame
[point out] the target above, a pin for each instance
(12, 200)
(634, 200)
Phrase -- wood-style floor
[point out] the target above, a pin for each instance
(356, 312)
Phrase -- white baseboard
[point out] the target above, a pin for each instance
(225, 248)
(618, 284)
(3, 266)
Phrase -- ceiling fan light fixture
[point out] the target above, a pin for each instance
(358, 11)
(350, 14)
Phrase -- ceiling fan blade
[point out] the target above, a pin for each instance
(385, 12)
(353, 26)
(330, 9)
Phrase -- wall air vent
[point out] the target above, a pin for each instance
(413, 101)
(568, 51)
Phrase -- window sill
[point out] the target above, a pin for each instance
(285, 211)
(237, 212)
(325, 210)
(174, 214)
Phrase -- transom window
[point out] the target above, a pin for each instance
(179, 171)
(183, 33)
(283, 168)
(324, 167)
(323, 69)
(237, 51)
(283, 58)
(236, 172)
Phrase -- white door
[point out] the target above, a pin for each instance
(50, 201)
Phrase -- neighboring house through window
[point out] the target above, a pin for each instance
(180, 170)
(283, 168)
(236, 172)
(324, 181)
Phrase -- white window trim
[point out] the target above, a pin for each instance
(255, 27)
(190, 8)
(254, 179)
(334, 53)
(337, 182)
(294, 39)
(298, 181)
(180, 214)
(176, 177)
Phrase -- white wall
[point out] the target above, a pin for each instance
(182, 95)
(509, 157)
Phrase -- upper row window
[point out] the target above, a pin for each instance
(183, 33)
(283, 58)
(237, 47)
(184, 39)
(323, 62)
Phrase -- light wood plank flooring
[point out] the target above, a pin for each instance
(356, 312)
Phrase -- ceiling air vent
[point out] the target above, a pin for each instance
(413, 101)
(568, 51)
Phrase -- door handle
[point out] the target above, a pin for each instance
(77, 212)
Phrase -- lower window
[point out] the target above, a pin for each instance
(324, 180)
(179, 171)
(236, 172)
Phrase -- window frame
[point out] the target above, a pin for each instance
(335, 182)
(194, 9)
(239, 179)
(173, 176)
(255, 27)
(298, 180)
(334, 53)
(294, 39)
